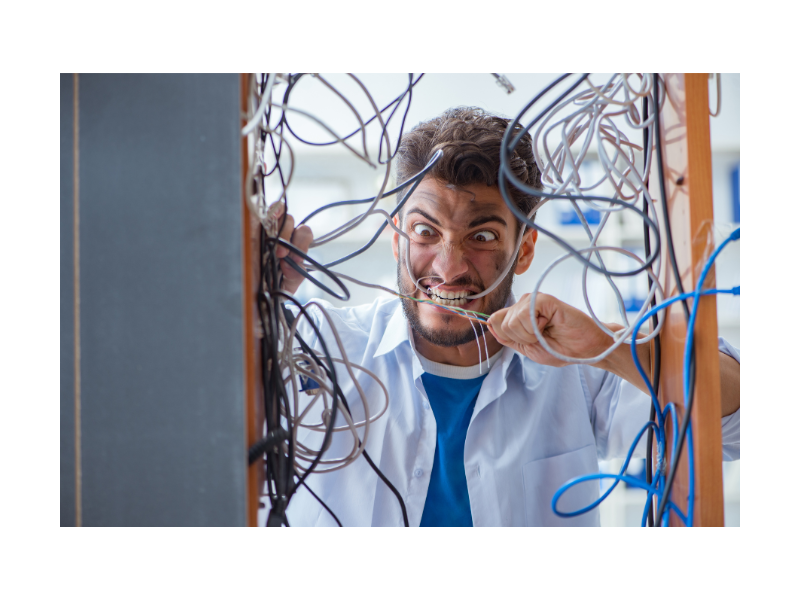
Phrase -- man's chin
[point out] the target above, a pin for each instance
(445, 337)
(442, 328)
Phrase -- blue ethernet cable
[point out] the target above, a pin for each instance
(657, 487)
(687, 352)
(687, 358)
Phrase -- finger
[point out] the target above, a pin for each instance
(494, 321)
(546, 305)
(497, 336)
(285, 234)
(499, 325)
(506, 328)
(497, 317)
(520, 321)
(302, 238)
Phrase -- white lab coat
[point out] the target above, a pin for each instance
(534, 427)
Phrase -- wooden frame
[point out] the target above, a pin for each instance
(253, 386)
(686, 147)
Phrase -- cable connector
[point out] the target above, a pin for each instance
(504, 82)
(736, 290)
(307, 384)
(735, 234)
(266, 444)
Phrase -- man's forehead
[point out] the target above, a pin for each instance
(459, 202)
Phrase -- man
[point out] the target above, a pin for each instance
(469, 441)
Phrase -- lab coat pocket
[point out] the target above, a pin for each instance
(543, 477)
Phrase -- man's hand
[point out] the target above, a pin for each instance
(566, 330)
(301, 238)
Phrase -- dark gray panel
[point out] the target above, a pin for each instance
(67, 304)
(161, 301)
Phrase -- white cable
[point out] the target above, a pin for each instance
(585, 116)
(719, 96)
(353, 223)
(350, 424)
(262, 107)
(620, 336)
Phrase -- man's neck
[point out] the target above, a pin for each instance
(465, 355)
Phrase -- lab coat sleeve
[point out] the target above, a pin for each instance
(618, 412)
(730, 424)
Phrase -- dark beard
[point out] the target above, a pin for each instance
(448, 337)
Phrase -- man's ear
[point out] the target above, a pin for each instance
(395, 236)
(525, 256)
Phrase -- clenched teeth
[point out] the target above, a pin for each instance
(446, 298)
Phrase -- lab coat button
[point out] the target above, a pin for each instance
(417, 472)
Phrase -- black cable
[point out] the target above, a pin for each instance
(280, 471)
(418, 177)
(318, 283)
(649, 223)
(277, 471)
(325, 506)
(279, 465)
(656, 362)
(266, 444)
(331, 375)
(507, 150)
(506, 175)
(417, 180)
(402, 123)
(399, 99)
(663, 190)
(319, 267)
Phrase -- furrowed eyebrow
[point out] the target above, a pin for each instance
(488, 219)
(424, 214)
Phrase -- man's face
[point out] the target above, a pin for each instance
(461, 240)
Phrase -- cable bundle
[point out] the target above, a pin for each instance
(302, 387)
(564, 132)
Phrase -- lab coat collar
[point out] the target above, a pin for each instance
(398, 331)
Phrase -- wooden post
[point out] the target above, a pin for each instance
(253, 387)
(686, 146)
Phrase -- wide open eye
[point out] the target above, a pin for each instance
(423, 229)
(484, 236)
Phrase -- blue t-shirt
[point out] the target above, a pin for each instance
(452, 402)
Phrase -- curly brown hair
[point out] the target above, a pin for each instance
(470, 139)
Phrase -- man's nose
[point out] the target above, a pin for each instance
(450, 262)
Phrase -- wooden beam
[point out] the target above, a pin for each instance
(686, 146)
(252, 374)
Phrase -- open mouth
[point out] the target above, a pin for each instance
(446, 298)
